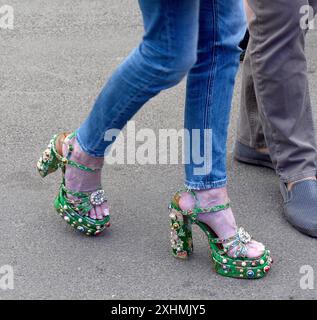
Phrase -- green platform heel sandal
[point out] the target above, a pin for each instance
(238, 266)
(74, 212)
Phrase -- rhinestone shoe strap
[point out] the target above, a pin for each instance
(193, 213)
(66, 160)
(238, 241)
(85, 201)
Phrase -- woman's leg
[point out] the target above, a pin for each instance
(210, 88)
(164, 57)
(209, 93)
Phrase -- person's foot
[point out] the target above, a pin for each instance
(248, 155)
(223, 222)
(300, 204)
(82, 181)
(291, 184)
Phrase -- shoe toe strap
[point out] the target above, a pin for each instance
(85, 201)
(238, 242)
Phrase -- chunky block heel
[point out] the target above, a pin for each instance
(181, 234)
(50, 159)
(238, 266)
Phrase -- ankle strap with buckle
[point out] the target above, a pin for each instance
(193, 213)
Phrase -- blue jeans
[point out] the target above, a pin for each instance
(198, 38)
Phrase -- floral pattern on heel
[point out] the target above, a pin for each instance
(181, 234)
(49, 161)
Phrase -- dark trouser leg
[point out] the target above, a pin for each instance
(275, 99)
(250, 131)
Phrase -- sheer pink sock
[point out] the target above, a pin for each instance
(83, 181)
(223, 222)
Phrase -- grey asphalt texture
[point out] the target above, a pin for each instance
(53, 65)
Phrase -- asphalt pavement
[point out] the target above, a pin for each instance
(52, 66)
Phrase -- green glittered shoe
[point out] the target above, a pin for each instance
(73, 210)
(238, 266)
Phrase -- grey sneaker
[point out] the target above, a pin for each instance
(300, 206)
(246, 154)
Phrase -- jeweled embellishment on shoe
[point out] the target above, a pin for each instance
(250, 273)
(98, 197)
(238, 265)
(48, 161)
(181, 242)
(73, 211)
(244, 236)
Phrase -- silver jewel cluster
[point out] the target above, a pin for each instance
(98, 197)
(244, 236)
